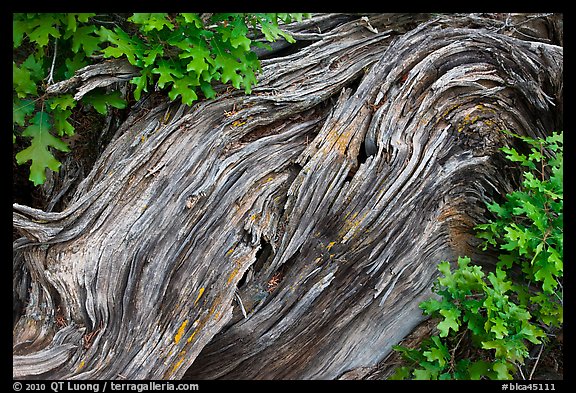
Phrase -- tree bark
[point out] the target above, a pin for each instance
(291, 233)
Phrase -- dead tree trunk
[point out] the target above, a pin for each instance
(291, 233)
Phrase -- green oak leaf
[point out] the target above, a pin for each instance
(438, 353)
(424, 374)
(193, 18)
(451, 321)
(22, 82)
(499, 327)
(122, 44)
(85, 37)
(19, 28)
(63, 101)
(72, 20)
(184, 87)
(478, 369)
(151, 21)
(101, 101)
(151, 55)
(546, 275)
(502, 370)
(238, 37)
(38, 152)
(44, 26)
(207, 89)
(141, 82)
(230, 67)
(200, 58)
(61, 123)
(168, 73)
(20, 110)
(35, 66)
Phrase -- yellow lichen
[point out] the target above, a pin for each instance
(200, 292)
(215, 305)
(349, 224)
(469, 120)
(192, 336)
(238, 123)
(232, 275)
(180, 332)
(178, 363)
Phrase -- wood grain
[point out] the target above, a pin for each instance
(322, 202)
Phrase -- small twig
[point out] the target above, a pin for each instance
(520, 369)
(240, 302)
(536, 364)
(51, 75)
(561, 298)
(453, 350)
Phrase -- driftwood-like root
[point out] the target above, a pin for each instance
(291, 233)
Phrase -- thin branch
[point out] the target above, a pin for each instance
(521, 373)
(536, 364)
(51, 75)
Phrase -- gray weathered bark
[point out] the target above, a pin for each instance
(291, 233)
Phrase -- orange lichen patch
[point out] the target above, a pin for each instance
(198, 325)
(232, 275)
(180, 332)
(238, 123)
(80, 366)
(214, 312)
(200, 292)
(192, 336)
(450, 109)
(483, 114)
(351, 223)
(230, 251)
(178, 363)
(468, 120)
(330, 245)
(336, 141)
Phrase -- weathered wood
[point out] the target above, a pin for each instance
(94, 76)
(319, 206)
